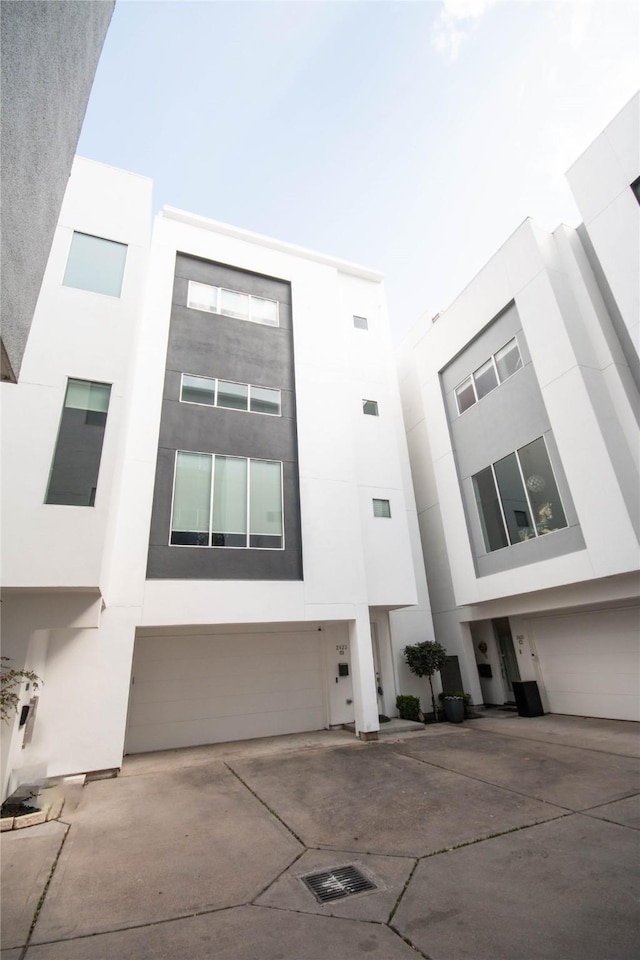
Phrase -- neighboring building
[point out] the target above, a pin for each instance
(50, 52)
(209, 524)
(521, 408)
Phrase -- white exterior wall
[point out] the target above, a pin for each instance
(600, 181)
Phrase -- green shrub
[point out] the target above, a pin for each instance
(408, 707)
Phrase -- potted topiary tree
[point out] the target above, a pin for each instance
(424, 659)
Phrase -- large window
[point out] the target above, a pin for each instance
(76, 462)
(235, 396)
(518, 497)
(231, 303)
(486, 378)
(95, 264)
(227, 502)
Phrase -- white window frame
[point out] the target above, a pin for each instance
(499, 382)
(210, 546)
(249, 386)
(220, 312)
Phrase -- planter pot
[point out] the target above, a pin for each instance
(454, 710)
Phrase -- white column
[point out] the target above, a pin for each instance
(364, 681)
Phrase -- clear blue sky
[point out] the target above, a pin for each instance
(412, 137)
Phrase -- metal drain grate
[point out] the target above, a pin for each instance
(338, 883)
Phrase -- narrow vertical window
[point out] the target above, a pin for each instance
(229, 523)
(514, 499)
(95, 264)
(265, 504)
(192, 500)
(465, 395)
(542, 489)
(489, 510)
(76, 462)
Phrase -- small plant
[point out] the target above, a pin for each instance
(408, 707)
(10, 682)
(424, 659)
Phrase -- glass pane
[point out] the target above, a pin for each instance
(76, 461)
(198, 390)
(192, 493)
(360, 323)
(265, 501)
(541, 487)
(265, 400)
(465, 396)
(232, 395)
(514, 501)
(230, 502)
(381, 508)
(491, 522)
(485, 379)
(370, 407)
(82, 395)
(95, 264)
(201, 296)
(264, 311)
(508, 360)
(234, 304)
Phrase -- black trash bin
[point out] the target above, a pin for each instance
(527, 697)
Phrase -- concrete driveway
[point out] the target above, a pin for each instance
(498, 839)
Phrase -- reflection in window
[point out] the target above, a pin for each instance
(232, 303)
(76, 462)
(95, 264)
(518, 498)
(227, 502)
(210, 392)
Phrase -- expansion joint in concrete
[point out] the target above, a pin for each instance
(262, 803)
(44, 893)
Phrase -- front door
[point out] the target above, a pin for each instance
(376, 667)
(508, 661)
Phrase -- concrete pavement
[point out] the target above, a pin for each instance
(497, 839)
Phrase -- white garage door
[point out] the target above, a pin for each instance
(590, 663)
(190, 690)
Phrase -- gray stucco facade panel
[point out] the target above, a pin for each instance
(512, 415)
(50, 52)
(216, 346)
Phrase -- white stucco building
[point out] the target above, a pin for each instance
(217, 521)
(521, 408)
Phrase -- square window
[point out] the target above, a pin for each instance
(202, 296)
(264, 311)
(508, 360)
(95, 264)
(234, 304)
(370, 408)
(465, 395)
(235, 396)
(381, 508)
(198, 390)
(361, 323)
(265, 400)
